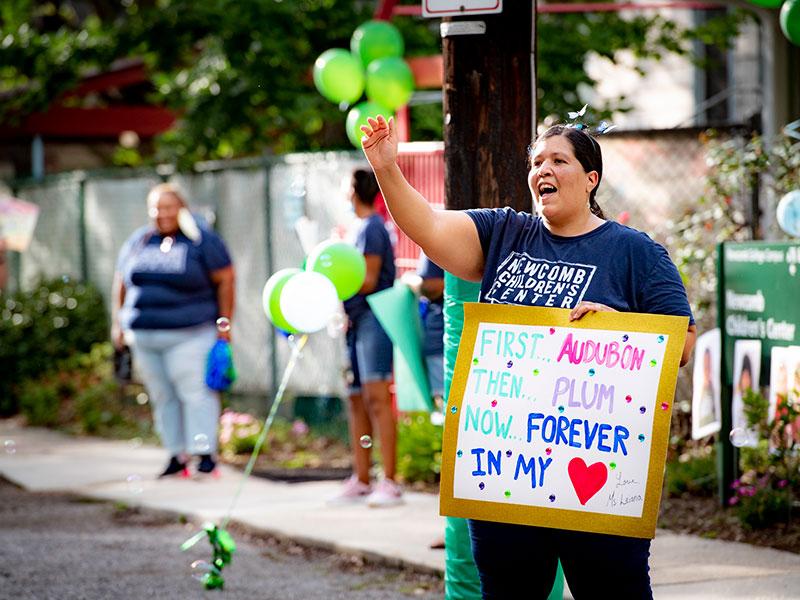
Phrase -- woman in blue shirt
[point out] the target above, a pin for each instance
(173, 281)
(370, 351)
(575, 259)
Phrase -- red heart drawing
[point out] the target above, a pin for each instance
(587, 481)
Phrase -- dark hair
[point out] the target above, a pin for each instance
(746, 367)
(365, 186)
(586, 150)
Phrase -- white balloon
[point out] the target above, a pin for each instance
(788, 213)
(309, 301)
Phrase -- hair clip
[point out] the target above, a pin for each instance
(603, 127)
(580, 113)
(792, 129)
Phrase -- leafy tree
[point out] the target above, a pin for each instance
(238, 72)
(560, 62)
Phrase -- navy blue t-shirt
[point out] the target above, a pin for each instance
(431, 312)
(613, 264)
(372, 239)
(170, 287)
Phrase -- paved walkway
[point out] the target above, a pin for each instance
(684, 567)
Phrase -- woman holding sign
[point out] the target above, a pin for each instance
(605, 266)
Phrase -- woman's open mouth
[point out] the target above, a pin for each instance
(546, 190)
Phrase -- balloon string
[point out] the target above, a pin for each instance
(296, 349)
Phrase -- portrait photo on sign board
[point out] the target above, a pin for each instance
(793, 371)
(706, 385)
(746, 371)
(780, 357)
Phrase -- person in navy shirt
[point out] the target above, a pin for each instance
(432, 317)
(567, 256)
(174, 279)
(370, 351)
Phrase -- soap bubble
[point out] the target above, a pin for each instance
(295, 347)
(142, 398)
(135, 484)
(365, 441)
(10, 446)
(437, 418)
(201, 568)
(223, 324)
(336, 325)
(200, 444)
(741, 436)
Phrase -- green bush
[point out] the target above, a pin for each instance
(38, 328)
(693, 472)
(419, 448)
(40, 402)
(764, 493)
(761, 502)
(91, 406)
(81, 396)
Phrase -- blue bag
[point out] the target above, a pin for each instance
(220, 372)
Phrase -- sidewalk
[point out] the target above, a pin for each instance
(683, 567)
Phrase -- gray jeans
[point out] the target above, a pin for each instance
(172, 363)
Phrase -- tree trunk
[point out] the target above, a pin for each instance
(488, 108)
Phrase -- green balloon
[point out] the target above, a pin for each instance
(271, 298)
(339, 76)
(358, 117)
(342, 263)
(790, 21)
(766, 3)
(390, 82)
(376, 39)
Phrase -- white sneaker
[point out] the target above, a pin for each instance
(387, 493)
(351, 492)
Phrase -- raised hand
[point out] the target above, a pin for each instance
(380, 142)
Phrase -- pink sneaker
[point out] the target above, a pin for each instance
(352, 491)
(387, 493)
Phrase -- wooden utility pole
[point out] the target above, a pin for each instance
(488, 125)
(488, 107)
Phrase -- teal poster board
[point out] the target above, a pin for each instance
(396, 310)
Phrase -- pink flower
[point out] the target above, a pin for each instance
(782, 483)
(243, 419)
(733, 501)
(299, 427)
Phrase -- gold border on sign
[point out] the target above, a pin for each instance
(645, 526)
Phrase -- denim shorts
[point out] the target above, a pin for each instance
(435, 366)
(370, 351)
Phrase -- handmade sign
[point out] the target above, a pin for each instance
(560, 424)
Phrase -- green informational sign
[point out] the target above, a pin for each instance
(760, 298)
